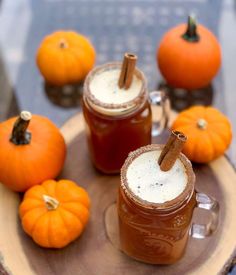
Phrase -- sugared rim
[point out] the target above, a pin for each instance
(186, 194)
(109, 66)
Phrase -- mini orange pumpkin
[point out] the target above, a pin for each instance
(55, 213)
(189, 58)
(208, 131)
(65, 57)
(32, 150)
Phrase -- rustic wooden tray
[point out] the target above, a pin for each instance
(97, 252)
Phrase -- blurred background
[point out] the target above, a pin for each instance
(113, 26)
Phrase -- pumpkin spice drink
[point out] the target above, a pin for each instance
(159, 186)
(104, 87)
(156, 202)
(117, 113)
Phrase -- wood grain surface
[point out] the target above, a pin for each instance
(97, 252)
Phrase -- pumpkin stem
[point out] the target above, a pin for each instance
(191, 34)
(20, 135)
(51, 203)
(202, 124)
(63, 44)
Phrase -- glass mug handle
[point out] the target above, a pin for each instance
(161, 104)
(201, 231)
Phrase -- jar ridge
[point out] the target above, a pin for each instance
(155, 233)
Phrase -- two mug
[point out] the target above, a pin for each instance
(148, 234)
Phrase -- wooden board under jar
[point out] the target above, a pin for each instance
(97, 252)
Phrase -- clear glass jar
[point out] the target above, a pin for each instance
(158, 233)
(114, 130)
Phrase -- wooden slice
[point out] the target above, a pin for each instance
(97, 252)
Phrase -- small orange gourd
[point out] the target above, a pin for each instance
(65, 57)
(54, 213)
(208, 131)
(189, 58)
(32, 150)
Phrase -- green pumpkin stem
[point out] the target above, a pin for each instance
(191, 34)
(50, 202)
(20, 135)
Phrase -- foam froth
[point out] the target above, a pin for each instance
(148, 182)
(104, 87)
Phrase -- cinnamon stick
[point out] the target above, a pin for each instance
(171, 150)
(127, 70)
